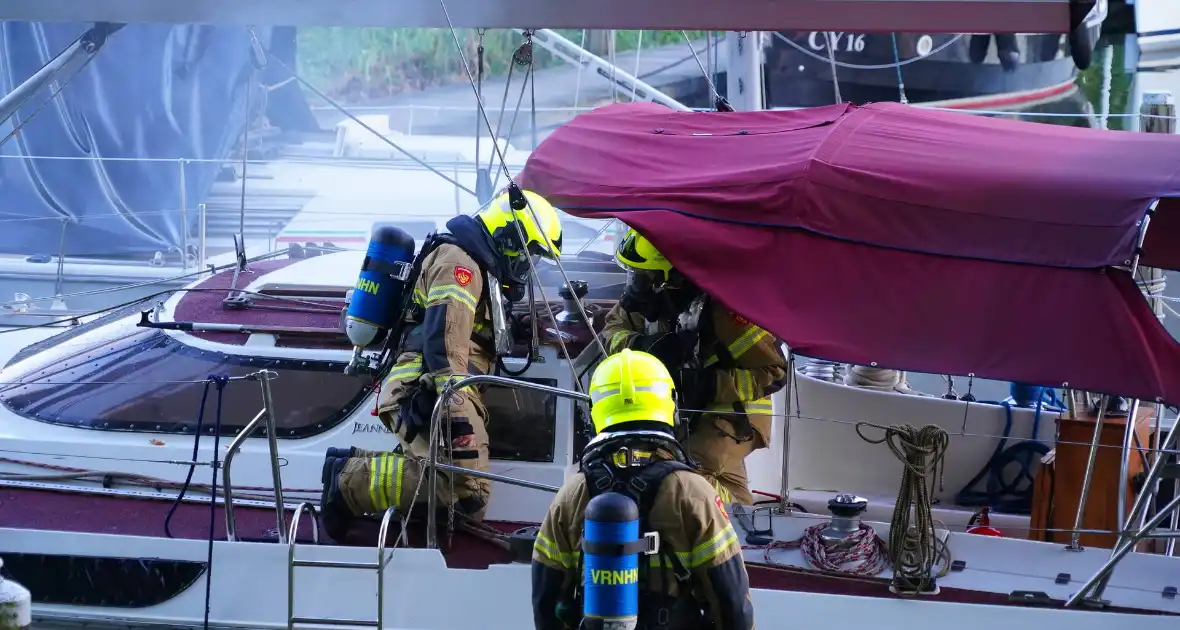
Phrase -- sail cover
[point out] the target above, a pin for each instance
(96, 170)
(875, 235)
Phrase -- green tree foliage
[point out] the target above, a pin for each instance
(359, 64)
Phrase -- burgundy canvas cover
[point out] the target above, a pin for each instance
(875, 235)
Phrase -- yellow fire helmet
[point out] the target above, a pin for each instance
(636, 252)
(543, 235)
(631, 387)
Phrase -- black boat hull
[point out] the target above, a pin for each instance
(933, 67)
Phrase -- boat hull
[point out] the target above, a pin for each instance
(934, 67)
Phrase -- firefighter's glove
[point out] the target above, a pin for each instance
(698, 388)
(672, 349)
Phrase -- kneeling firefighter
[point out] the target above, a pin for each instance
(725, 367)
(637, 539)
(464, 276)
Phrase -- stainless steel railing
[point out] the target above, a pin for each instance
(433, 465)
(265, 416)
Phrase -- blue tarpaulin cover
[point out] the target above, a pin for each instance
(153, 95)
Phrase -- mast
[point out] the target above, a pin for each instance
(743, 78)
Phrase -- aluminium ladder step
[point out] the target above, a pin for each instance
(328, 564)
(325, 621)
(379, 566)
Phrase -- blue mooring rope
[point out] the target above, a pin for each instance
(1001, 496)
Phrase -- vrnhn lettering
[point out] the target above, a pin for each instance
(368, 286)
(607, 577)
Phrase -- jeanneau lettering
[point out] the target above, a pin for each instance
(369, 427)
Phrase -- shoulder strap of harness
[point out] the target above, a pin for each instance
(641, 485)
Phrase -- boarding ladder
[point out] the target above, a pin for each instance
(378, 566)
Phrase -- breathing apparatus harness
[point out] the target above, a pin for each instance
(624, 462)
(656, 303)
(418, 406)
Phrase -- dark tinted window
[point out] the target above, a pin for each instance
(121, 377)
(523, 424)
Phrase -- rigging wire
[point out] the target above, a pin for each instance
(518, 58)
(897, 66)
(532, 211)
(830, 39)
(340, 108)
(481, 195)
(704, 72)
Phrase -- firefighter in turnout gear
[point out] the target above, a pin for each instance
(450, 336)
(725, 367)
(696, 576)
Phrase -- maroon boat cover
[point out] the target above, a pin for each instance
(897, 236)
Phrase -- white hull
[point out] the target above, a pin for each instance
(825, 457)
(250, 591)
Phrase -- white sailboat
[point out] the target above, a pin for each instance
(88, 488)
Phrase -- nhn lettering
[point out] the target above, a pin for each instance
(606, 577)
(368, 286)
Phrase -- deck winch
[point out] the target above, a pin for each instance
(845, 525)
(378, 302)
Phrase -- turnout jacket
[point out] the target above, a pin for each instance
(692, 524)
(745, 363)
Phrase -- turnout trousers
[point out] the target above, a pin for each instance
(372, 482)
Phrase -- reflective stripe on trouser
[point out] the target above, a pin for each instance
(723, 459)
(463, 416)
(371, 485)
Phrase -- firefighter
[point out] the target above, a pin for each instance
(722, 364)
(698, 577)
(450, 336)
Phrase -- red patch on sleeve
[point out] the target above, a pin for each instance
(739, 320)
(463, 275)
(720, 505)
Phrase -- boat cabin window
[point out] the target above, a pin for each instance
(522, 424)
(121, 377)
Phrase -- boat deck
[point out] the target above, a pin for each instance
(39, 509)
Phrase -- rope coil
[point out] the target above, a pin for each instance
(864, 551)
(914, 548)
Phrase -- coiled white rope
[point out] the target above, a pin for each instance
(882, 379)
